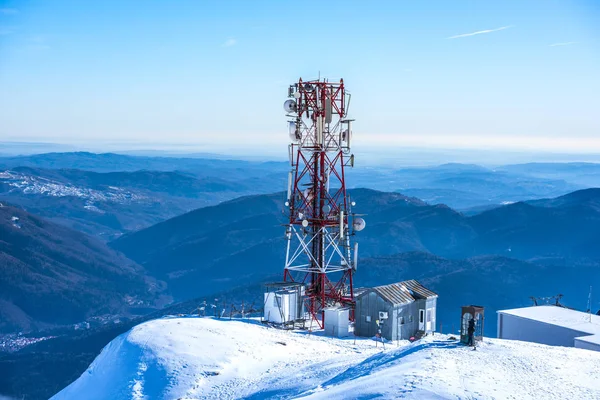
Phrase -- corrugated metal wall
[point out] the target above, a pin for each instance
(402, 322)
(367, 312)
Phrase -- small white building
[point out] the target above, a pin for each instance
(336, 321)
(281, 307)
(283, 303)
(551, 325)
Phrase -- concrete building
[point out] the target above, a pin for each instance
(551, 325)
(402, 309)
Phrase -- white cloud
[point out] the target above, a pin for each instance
(562, 44)
(229, 43)
(479, 32)
(9, 11)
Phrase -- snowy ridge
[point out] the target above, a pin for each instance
(204, 358)
(29, 184)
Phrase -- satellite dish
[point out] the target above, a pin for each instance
(297, 95)
(308, 87)
(290, 106)
(359, 224)
(305, 223)
(292, 131)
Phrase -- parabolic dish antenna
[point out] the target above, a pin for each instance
(359, 224)
(290, 106)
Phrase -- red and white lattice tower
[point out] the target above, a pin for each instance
(320, 250)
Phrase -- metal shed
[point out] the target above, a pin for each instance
(410, 308)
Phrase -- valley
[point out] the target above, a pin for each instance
(90, 253)
(108, 195)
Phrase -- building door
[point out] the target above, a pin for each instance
(421, 320)
(428, 320)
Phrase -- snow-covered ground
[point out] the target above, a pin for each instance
(34, 185)
(198, 358)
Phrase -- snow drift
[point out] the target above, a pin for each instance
(198, 358)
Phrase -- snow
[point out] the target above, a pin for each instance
(15, 221)
(200, 358)
(33, 185)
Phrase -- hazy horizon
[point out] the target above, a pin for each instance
(399, 156)
(512, 76)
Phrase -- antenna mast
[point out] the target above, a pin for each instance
(320, 252)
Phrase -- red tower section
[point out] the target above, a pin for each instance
(320, 252)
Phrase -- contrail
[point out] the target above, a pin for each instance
(479, 32)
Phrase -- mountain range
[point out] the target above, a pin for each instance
(243, 239)
(240, 243)
(460, 186)
(52, 276)
(105, 237)
(108, 204)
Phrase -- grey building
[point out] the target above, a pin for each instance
(410, 308)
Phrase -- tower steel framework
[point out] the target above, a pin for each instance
(320, 250)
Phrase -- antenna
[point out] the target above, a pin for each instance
(321, 250)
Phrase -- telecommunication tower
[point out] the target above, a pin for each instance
(321, 252)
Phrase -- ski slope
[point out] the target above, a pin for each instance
(204, 358)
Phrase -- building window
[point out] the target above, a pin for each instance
(401, 320)
(421, 316)
(368, 318)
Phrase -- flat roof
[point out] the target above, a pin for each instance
(595, 339)
(563, 317)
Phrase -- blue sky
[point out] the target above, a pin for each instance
(212, 75)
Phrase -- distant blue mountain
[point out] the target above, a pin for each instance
(52, 276)
(108, 204)
(225, 252)
(460, 186)
(111, 162)
(499, 257)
